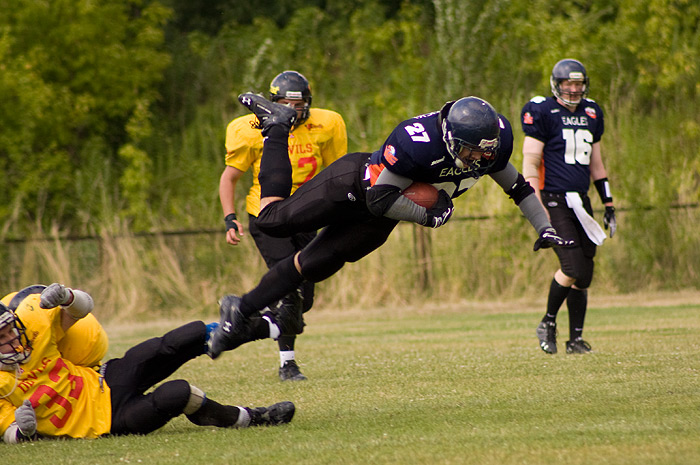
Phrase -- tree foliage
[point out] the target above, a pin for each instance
(75, 74)
(115, 109)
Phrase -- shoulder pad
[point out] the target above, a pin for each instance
(589, 100)
(538, 99)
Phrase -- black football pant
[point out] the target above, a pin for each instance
(577, 261)
(145, 365)
(274, 249)
(334, 202)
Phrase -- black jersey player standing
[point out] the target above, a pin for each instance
(356, 202)
(562, 154)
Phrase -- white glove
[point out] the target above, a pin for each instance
(56, 294)
(26, 419)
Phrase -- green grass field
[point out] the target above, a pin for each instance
(460, 385)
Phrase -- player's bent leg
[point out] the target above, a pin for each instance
(153, 360)
(147, 413)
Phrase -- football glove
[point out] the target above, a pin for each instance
(26, 419)
(54, 295)
(438, 214)
(550, 238)
(230, 221)
(609, 220)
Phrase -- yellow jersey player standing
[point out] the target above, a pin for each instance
(44, 394)
(317, 139)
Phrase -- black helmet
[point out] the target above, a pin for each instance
(473, 123)
(22, 348)
(572, 70)
(292, 85)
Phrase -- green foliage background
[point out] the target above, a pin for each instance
(112, 117)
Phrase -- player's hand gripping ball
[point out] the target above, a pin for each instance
(422, 193)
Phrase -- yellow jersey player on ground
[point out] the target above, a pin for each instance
(317, 139)
(44, 394)
(85, 343)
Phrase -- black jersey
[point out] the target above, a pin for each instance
(568, 137)
(415, 149)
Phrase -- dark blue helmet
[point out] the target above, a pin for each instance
(292, 85)
(572, 70)
(473, 123)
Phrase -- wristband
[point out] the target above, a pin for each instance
(603, 187)
(229, 220)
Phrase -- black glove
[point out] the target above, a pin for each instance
(550, 238)
(439, 213)
(609, 220)
(230, 223)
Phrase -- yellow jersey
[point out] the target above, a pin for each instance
(85, 343)
(68, 399)
(313, 145)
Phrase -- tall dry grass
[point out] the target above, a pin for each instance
(137, 277)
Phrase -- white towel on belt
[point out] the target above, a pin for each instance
(591, 226)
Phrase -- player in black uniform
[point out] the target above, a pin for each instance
(562, 155)
(357, 201)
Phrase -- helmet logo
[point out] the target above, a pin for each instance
(294, 94)
(274, 89)
(488, 145)
(576, 76)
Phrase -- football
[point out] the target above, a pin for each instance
(422, 193)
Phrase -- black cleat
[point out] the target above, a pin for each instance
(288, 314)
(578, 346)
(233, 329)
(290, 372)
(273, 415)
(547, 334)
(268, 113)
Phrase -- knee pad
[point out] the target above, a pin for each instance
(195, 401)
(172, 397)
(583, 281)
(582, 272)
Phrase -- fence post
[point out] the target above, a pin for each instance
(424, 259)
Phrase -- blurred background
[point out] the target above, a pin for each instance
(113, 117)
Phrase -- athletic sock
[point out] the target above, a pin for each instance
(286, 356)
(557, 296)
(279, 281)
(286, 343)
(275, 175)
(577, 302)
(212, 413)
(273, 329)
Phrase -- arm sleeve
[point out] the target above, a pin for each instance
(385, 199)
(523, 195)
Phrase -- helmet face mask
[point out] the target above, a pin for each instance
(15, 347)
(471, 132)
(573, 71)
(291, 85)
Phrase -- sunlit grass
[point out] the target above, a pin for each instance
(451, 385)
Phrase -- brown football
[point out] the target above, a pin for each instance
(422, 193)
